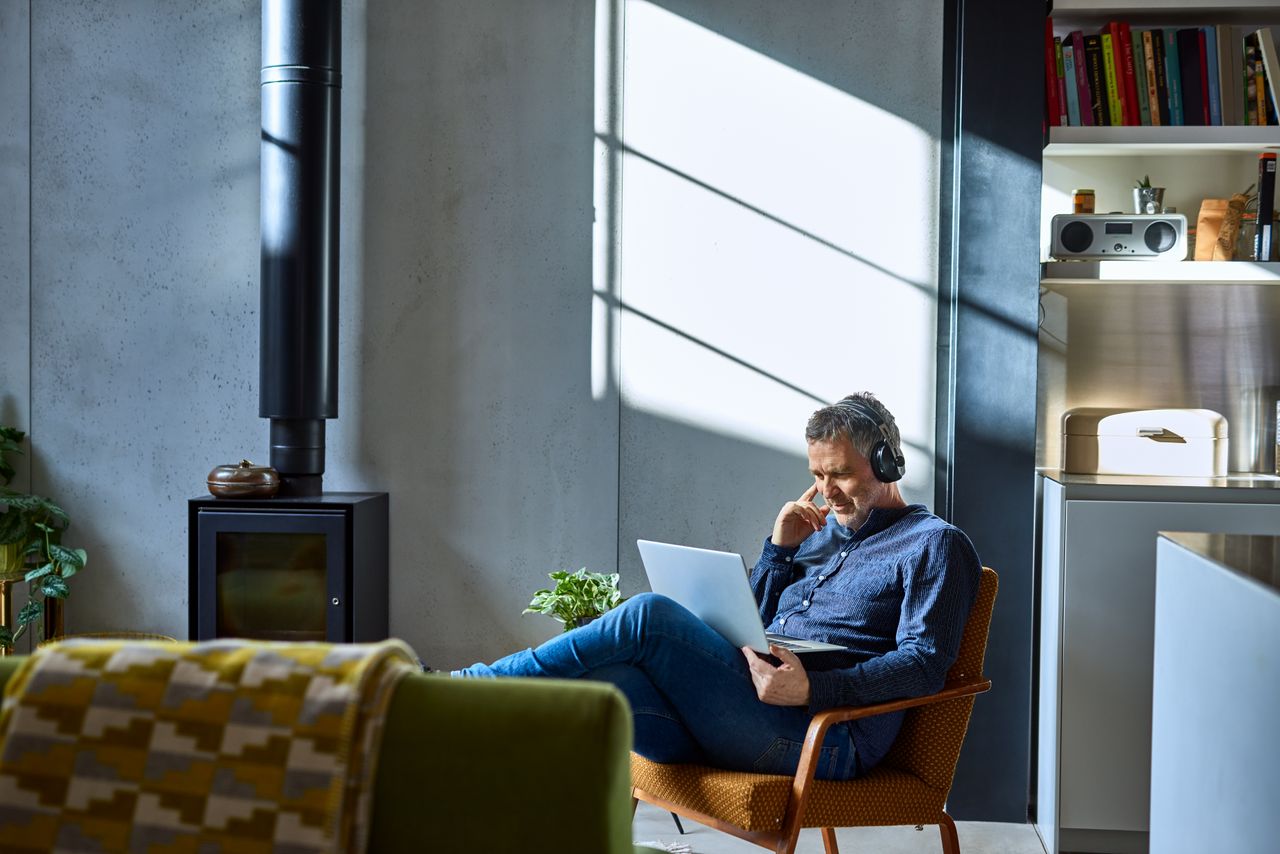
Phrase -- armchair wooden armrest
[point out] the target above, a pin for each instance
(950, 691)
(823, 721)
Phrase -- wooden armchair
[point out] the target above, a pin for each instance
(909, 786)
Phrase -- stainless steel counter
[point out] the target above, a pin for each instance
(1242, 488)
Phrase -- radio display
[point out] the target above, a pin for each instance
(1119, 228)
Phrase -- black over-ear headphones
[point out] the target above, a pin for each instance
(887, 461)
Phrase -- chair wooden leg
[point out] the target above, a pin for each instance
(829, 840)
(950, 841)
(635, 802)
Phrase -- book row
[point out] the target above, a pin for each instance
(1212, 75)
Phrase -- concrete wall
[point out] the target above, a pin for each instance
(748, 234)
(15, 272)
(778, 233)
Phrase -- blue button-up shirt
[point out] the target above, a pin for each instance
(896, 592)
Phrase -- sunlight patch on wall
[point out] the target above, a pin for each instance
(794, 147)
(778, 241)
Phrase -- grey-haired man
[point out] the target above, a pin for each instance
(887, 580)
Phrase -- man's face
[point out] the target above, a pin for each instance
(845, 479)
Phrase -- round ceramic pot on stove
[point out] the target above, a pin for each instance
(243, 481)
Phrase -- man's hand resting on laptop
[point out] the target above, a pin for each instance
(784, 685)
(798, 519)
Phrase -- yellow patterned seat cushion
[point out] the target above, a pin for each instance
(226, 745)
(885, 796)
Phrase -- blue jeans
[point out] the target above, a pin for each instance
(690, 691)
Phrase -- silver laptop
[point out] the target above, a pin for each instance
(714, 586)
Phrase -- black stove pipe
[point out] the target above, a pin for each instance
(298, 347)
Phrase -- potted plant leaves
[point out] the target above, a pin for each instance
(1146, 198)
(577, 597)
(31, 551)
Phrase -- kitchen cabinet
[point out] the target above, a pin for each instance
(1213, 786)
(1097, 606)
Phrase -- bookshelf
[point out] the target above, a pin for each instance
(1064, 276)
(1089, 12)
(1141, 334)
(1156, 141)
(1192, 162)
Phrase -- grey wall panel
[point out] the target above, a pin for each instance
(15, 176)
(778, 219)
(144, 245)
(468, 392)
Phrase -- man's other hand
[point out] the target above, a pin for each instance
(798, 519)
(784, 685)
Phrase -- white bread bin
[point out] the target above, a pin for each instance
(1168, 442)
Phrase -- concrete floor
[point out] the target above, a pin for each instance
(976, 837)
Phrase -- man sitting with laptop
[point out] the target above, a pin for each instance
(886, 584)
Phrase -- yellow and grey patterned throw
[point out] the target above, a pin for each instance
(221, 746)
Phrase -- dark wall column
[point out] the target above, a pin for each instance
(987, 318)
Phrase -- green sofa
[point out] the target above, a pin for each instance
(506, 765)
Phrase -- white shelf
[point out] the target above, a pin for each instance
(1146, 141)
(1056, 273)
(1234, 11)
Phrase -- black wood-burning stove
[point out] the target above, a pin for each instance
(307, 565)
(295, 569)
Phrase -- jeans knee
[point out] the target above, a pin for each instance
(651, 604)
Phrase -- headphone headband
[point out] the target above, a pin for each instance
(871, 415)
(886, 458)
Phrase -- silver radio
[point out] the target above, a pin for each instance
(1135, 237)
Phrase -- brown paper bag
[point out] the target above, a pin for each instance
(1218, 227)
(1230, 232)
(1208, 228)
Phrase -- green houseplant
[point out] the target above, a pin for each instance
(577, 597)
(31, 549)
(1146, 198)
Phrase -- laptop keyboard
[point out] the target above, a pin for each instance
(785, 644)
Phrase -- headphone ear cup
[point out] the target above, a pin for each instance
(878, 461)
(884, 463)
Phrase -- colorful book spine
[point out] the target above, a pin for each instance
(1149, 66)
(1251, 80)
(1162, 79)
(1264, 236)
(1188, 69)
(1210, 36)
(1050, 76)
(1133, 113)
(1114, 106)
(1062, 82)
(1229, 65)
(1069, 76)
(1097, 80)
(1202, 53)
(1083, 97)
(1140, 73)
